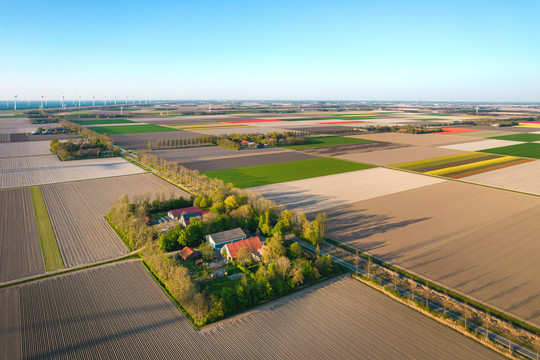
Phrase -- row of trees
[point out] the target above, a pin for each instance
(409, 129)
(179, 143)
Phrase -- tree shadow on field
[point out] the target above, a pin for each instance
(298, 199)
(92, 337)
(351, 225)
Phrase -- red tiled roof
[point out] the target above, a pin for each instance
(186, 252)
(253, 244)
(188, 210)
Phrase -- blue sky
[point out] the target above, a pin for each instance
(334, 50)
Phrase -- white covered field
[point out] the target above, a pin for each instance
(48, 169)
(25, 148)
(481, 145)
(523, 177)
(323, 192)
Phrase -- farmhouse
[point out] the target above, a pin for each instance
(188, 253)
(218, 240)
(185, 214)
(230, 250)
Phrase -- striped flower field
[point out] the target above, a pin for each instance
(461, 165)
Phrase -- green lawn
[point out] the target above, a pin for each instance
(102, 121)
(258, 175)
(519, 137)
(49, 247)
(326, 141)
(131, 129)
(530, 150)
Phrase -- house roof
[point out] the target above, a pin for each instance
(253, 244)
(228, 235)
(186, 252)
(188, 210)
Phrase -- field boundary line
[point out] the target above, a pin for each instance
(50, 252)
(443, 319)
(134, 255)
(430, 309)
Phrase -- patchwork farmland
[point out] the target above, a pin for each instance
(20, 253)
(461, 165)
(48, 169)
(25, 149)
(122, 313)
(131, 129)
(316, 194)
(282, 172)
(77, 211)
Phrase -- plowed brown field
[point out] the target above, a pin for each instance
(118, 311)
(78, 210)
(20, 252)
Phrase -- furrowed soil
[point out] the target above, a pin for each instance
(78, 210)
(48, 169)
(478, 241)
(118, 311)
(20, 253)
(250, 160)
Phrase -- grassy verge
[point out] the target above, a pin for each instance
(49, 247)
(441, 289)
(439, 317)
(61, 272)
(258, 175)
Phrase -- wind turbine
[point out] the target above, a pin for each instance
(79, 101)
(15, 104)
(93, 100)
(41, 101)
(115, 100)
(105, 100)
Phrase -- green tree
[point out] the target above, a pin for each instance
(149, 145)
(296, 250)
(207, 251)
(243, 256)
(228, 298)
(322, 220)
(312, 233)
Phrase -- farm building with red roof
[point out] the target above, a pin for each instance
(185, 214)
(188, 253)
(230, 250)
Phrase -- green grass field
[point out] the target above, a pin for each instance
(131, 129)
(519, 137)
(12, 116)
(102, 121)
(326, 141)
(530, 150)
(258, 175)
(49, 247)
